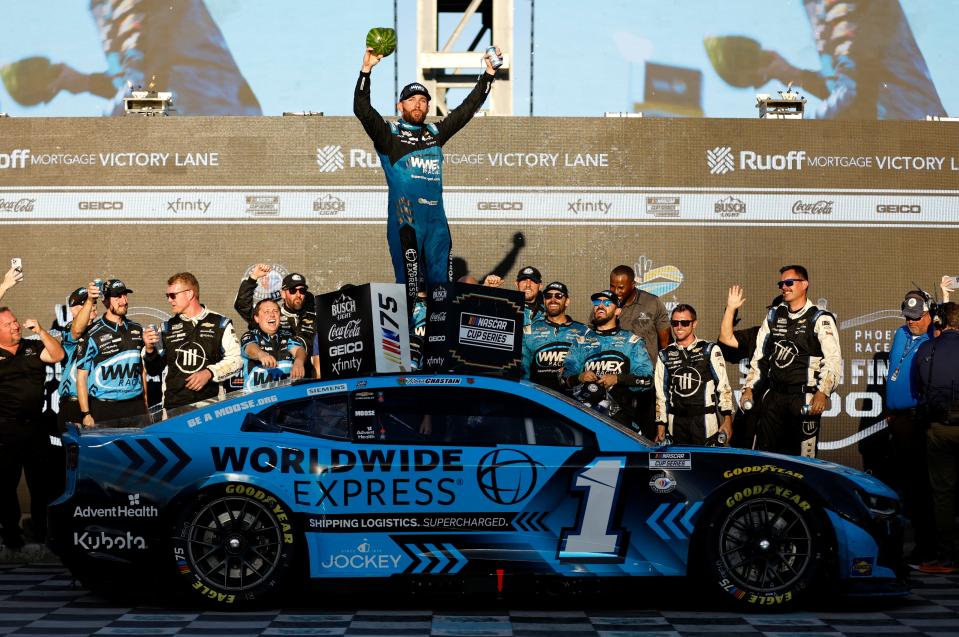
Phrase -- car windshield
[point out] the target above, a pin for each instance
(596, 414)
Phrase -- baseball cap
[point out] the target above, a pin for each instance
(414, 89)
(294, 280)
(115, 287)
(531, 273)
(557, 286)
(606, 294)
(914, 306)
(77, 297)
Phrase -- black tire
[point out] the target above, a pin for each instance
(233, 545)
(765, 544)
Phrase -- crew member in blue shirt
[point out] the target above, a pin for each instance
(907, 431)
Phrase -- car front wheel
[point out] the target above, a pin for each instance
(767, 543)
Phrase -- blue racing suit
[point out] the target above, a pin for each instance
(412, 158)
(619, 352)
(545, 347)
(281, 346)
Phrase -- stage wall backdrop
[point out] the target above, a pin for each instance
(693, 205)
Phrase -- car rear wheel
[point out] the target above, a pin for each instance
(766, 545)
(233, 545)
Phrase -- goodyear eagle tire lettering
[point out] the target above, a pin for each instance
(233, 545)
(765, 544)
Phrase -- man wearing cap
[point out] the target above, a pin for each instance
(694, 401)
(270, 353)
(907, 430)
(410, 152)
(936, 379)
(530, 282)
(737, 346)
(24, 439)
(798, 352)
(111, 379)
(613, 358)
(297, 309)
(546, 343)
(83, 308)
(197, 347)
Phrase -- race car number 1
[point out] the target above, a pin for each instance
(593, 539)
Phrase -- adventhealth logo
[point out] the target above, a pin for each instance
(722, 160)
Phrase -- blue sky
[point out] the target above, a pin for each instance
(304, 54)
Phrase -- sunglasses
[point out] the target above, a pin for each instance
(299, 290)
(173, 295)
(788, 283)
(678, 322)
(603, 302)
(554, 295)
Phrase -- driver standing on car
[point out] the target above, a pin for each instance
(693, 398)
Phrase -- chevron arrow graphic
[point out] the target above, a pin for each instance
(654, 525)
(182, 457)
(687, 519)
(669, 520)
(460, 560)
(440, 555)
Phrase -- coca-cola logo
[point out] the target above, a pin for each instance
(821, 207)
(437, 317)
(17, 205)
(345, 332)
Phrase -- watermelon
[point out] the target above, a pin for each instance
(30, 81)
(382, 40)
(737, 59)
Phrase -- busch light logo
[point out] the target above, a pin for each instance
(329, 158)
(729, 207)
(343, 307)
(720, 160)
(506, 476)
(328, 205)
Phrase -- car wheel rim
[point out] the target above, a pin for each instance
(234, 543)
(766, 545)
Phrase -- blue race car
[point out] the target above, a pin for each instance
(445, 476)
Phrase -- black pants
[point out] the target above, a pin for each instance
(943, 451)
(108, 410)
(689, 430)
(24, 449)
(783, 428)
(645, 413)
(911, 478)
(69, 411)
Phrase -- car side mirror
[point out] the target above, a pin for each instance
(253, 422)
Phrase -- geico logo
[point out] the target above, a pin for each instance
(500, 205)
(346, 348)
(307, 461)
(899, 209)
(101, 205)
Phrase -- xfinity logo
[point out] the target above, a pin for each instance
(901, 210)
(181, 205)
(579, 206)
(722, 160)
(14, 159)
(101, 205)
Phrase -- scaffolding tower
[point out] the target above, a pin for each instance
(453, 64)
